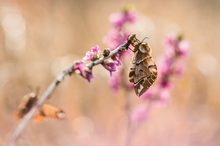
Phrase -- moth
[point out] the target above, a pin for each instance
(46, 111)
(143, 72)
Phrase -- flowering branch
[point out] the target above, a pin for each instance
(82, 68)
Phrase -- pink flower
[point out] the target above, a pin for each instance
(175, 45)
(119, 19)
(170, 40)
(171, 63)
(79, 66)
(130, 86)
(139, 114)
(117, 60)
(114, 38)
(164, 64)
(110, 65)
(183, 48)
(131, 16)
(117, 34)
(165, 94)
(92, 54)
(84, 71)
(149, 93)
(115, 81)
(88, 74)
(180, 68)
(162, 98)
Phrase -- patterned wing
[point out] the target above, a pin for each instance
(49, 111)
(143, 74)
(26, 104)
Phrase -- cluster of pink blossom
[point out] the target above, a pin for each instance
(170, 65)
(94, 54)
(117, 34)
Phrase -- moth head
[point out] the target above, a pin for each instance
(144, 48)
(132, 39)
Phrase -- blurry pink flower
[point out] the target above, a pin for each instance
(165, 94)
(117, 34)
(164, 65)
(115, 81)
(175, 45)
(183, 48)
(170, 40)
(165, 83)
(119, 19)
(92, 54)
(148, 94)
(131, 16)
(130, 86)
(164, 73)
(139, 114)
(180, 68)
(114, 38)
(171, 63)
(162, 98)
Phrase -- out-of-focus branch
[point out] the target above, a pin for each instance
(52, 87)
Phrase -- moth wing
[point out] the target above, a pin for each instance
(49, 111)
(26, 104)
(144, 75)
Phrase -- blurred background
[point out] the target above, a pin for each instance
(40, 38)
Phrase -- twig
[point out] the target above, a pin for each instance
(128, 137)
(52, 87)
(124, 84)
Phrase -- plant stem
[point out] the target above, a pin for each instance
(127, 91)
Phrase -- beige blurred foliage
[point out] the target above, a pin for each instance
(39, 38)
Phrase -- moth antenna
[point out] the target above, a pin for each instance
(144, 39)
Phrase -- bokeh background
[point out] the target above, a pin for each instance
(40, 38)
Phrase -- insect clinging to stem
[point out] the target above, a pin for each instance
(46, 111)
(143, 72)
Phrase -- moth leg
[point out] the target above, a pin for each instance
(131, 79)
(131, 74)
